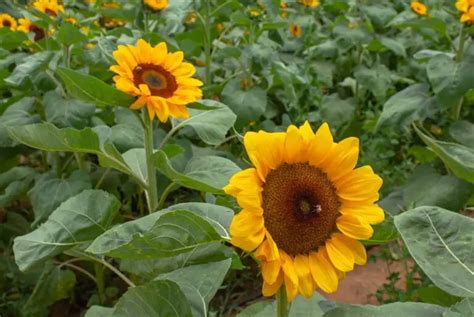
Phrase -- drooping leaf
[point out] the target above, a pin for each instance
(99, 311)
(376, 79)
(14, 183)
(78, 220)
(463, 132)
(32, 65)
(205, 173)
(17, 114)
(199, 283)
(461, 309)
(388, 310)
(67, 112)
(69, 34)
(90, 89)
(441, 242)
(299, 307)
(458, 158)
(156, 298)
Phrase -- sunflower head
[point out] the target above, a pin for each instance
(156, 4)
(51, 7)
(304, 208)
(295, 29)
(7, 21)
(419, 8)
(28, 27)
(464, 5)
(311, 3)
(161, 80)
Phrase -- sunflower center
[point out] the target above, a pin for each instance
(39, 32)
(50, 12)
(7, 23)
(300, 207)
(160, 82)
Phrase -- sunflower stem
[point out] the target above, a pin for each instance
(207, 43)
(282, 302)
(459, 55)
(152, 190)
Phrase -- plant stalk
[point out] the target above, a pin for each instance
(152, 190)
(459, 55)
(99, 278)
(282, 302)
(207, 42)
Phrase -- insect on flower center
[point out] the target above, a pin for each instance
(160, 82)
(300, 207)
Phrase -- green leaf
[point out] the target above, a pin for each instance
(199, 283)
(375, 79)
(173, 233)
(47, 137)
(389, 310)
(90, 89)
(395, 46)
(31, 66)
(50, 191)
(15, 183)
(463, 132)
(435, 295)
(384, 232)
(212, 124)
(156, 298)
(17, 114)
(10, 39)
(299, 307)
(67, 112)
(426, 187)
(205, 173)
(441, 243)
(458, 158)
(69, 34)
(99, 311)
(54, 284)
(336, 111)
(462, 309)
(406, 106)
(248, 105)
(78, 220)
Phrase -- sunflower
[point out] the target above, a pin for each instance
(161, 80)
(156, 4)
(28, 27)
(295, 30)
(7, 21)
(311, 3)
(467, 9)
(419, 8)
(51, 7)
(304, 208)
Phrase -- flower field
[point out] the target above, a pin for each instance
(237, 158)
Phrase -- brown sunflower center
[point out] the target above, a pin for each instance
(50, 12)
(300, 207)
(39, 32)
(161, 82)
(6, 23)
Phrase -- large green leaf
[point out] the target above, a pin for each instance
(389, 310)
(154, 299)
(336, 111)
(199, 283)
(458, 158)
(50, 191)
(462, 309)
(299, 307)
(441, 242)
(463, 132)
(376, 79)
(384, 232)
(69, 34)
(31, 66)
(406, 106)
(47, 137)
(173, 233)
(90, 89)
(67, 112)
(211, 124)
(17, 114)
(78, 220)
(14, 183)
(11, 39)
(99, 311)
(205, 173)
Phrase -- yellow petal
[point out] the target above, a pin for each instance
(358, 250)
(252, 146)
(301, 265)
(271, 289)
(291, 288)
(173, 61)
(354, 227)
(246, 223)
(270, 149)
(341, 159)
(339, 253)
(307, 133)
(305, 281)
(371, 213)
(161, 109)
(139, 103)
(288, 267)
(268, 250)
(270, 271)
(250, 199)
(294, 145)
(244, 179)
(185, 70)
(306, 286)
(362, 189)
(160, 52)
(320, 145)
(322, 270)
(249, 243)
(146, 51)
(193, 82)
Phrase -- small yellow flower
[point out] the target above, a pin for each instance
(7, 21)
(161, 80)
(283, 5)
(157, 4)
(85, 30)
(51, 7)
(304, 208)
(90, 46)
(71, 20)
(295, 30)
(419, 8)
(111, 5)
(311, 3)
(463, 5)
(254, 12)
(468, 17)
(220, 27)
(28, 27)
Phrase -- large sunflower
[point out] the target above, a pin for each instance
(51, 7)
(7, 21)
(161, 80)
(304, 208)
(28, 27)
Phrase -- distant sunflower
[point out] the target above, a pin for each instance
(161, 80)
(419, 8)
(311, 3)
(156, 4)
(51, 7)
(295, 30)
(7, 21)
(28, 27)
(467, 9)
(304, 208)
